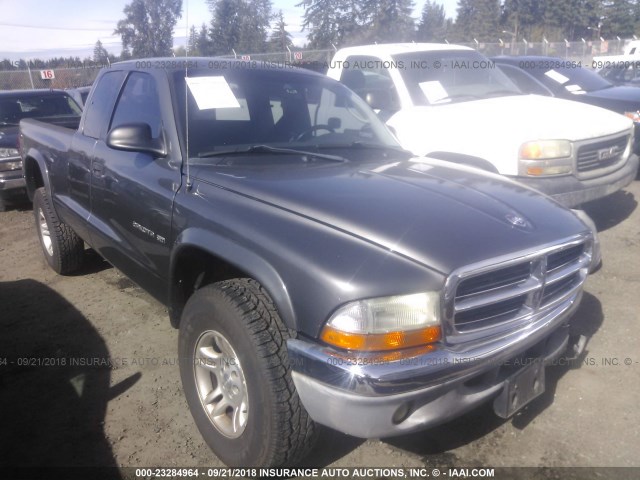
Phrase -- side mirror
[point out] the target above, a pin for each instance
(378, 99)
(136, 137)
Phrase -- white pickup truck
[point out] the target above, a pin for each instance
(451, 102)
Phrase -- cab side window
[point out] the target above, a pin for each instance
(139, 103)
(101, 103)
(366, 74)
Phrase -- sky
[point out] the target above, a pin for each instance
(61, 28)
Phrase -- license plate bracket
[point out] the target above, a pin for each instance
(520, 389)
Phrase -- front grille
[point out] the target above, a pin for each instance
(518, 290)
(601, 154)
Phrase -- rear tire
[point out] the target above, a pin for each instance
(236, 377)
(62, 248)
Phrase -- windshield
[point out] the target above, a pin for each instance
(626, 73)
(234, 109)
(439, 77)
(15, 108)
(574, 80)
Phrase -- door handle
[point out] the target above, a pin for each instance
(97, 169)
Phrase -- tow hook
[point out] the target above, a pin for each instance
(576, 347)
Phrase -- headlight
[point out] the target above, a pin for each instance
(545, 157)
(545, 149)
(9, 152)
(635, 116)
(387, 323)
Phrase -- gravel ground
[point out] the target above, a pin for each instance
(61, 404)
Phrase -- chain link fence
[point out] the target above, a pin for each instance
(72, 77)
(48, 78)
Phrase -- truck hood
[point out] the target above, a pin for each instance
(620, 98)
(436, 214)
(494, 129)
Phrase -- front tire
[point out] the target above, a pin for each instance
(236, 377)
(62, 248)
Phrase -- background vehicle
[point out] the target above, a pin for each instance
(80, 94)
(445, 99)
(558, 78)
(624, 72)
(53, 106)
(316, 271)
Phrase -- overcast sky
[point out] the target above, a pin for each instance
(54, 28)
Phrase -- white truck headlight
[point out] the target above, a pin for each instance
(386, 323)
(545, 157)
(635, 116)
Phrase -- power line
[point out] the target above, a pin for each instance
(40, 27)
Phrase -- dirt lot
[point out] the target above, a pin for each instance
(61, 406)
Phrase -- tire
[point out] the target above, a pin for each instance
(264, 423)
(3, 205)
(62, 248)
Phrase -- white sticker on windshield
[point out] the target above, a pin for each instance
(212, 92)
(434, 91)
(557, 77)
(575, 89)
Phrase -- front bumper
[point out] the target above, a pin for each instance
(11, 179)
(367, 397)
(571, 191)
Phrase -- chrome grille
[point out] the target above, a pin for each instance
(601, 154)
(515, 291)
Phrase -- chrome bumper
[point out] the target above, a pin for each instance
(571, 191)
(12, 180)
(369, 397)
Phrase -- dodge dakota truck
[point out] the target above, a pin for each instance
(53, 106)
(317, 272)
(447, 100)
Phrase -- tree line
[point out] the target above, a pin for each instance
(251, 26)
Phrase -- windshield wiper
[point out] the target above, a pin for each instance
(460, 96)
(501, 93)
(368, 145)
(271, 150)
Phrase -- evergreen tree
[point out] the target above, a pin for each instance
(386, 20)
(619, 18)
(192, 42)
(522, 17)
(329, 22)
(574, 19)
(280, 39)
(433, 23)
(148, 27)
(100, 54)
(241, 25)
(203, 42)
(478, 19)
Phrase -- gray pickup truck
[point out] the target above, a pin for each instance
(51, 106)
(317, 272)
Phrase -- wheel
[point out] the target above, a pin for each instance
(236, 377)
(3, 205)
(62, 248)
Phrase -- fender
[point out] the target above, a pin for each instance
(34, 156)
(241, 258)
